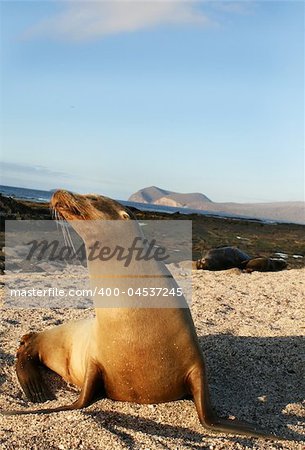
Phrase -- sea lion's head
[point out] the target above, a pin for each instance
(70, 206)
(89, 215)
(201, 264)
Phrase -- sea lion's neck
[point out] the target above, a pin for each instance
(124, 267)
(119, 248)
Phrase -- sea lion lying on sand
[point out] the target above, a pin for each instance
(222, 258)
(262, 264)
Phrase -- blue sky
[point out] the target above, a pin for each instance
(110, 97)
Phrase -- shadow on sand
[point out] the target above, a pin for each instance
(251, 378)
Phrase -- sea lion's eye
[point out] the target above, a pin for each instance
(124, 215)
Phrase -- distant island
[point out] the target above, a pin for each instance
(157, 196)
(275, 211)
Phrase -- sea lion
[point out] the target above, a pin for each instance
(223, 258)
(143, 355)
(262, 264)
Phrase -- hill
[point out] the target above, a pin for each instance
(277, 211)
(157, 196)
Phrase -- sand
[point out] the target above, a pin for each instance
(251, 330)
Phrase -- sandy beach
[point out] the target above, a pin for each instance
(137, 135)
(251, 330)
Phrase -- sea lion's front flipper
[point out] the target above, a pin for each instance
(93, 388)
(197, 385)
(28, 373)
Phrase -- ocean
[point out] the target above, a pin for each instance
(20, 193)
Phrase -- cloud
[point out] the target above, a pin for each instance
(42, 177)
(32, 176)
(90, 20)
(36, 170)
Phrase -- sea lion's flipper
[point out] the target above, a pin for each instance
(92, 389)
(28, 373)
(197, 385)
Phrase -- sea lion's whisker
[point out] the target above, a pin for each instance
(68, 241)
(69, 237)
(55, 216)
(64, 233)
